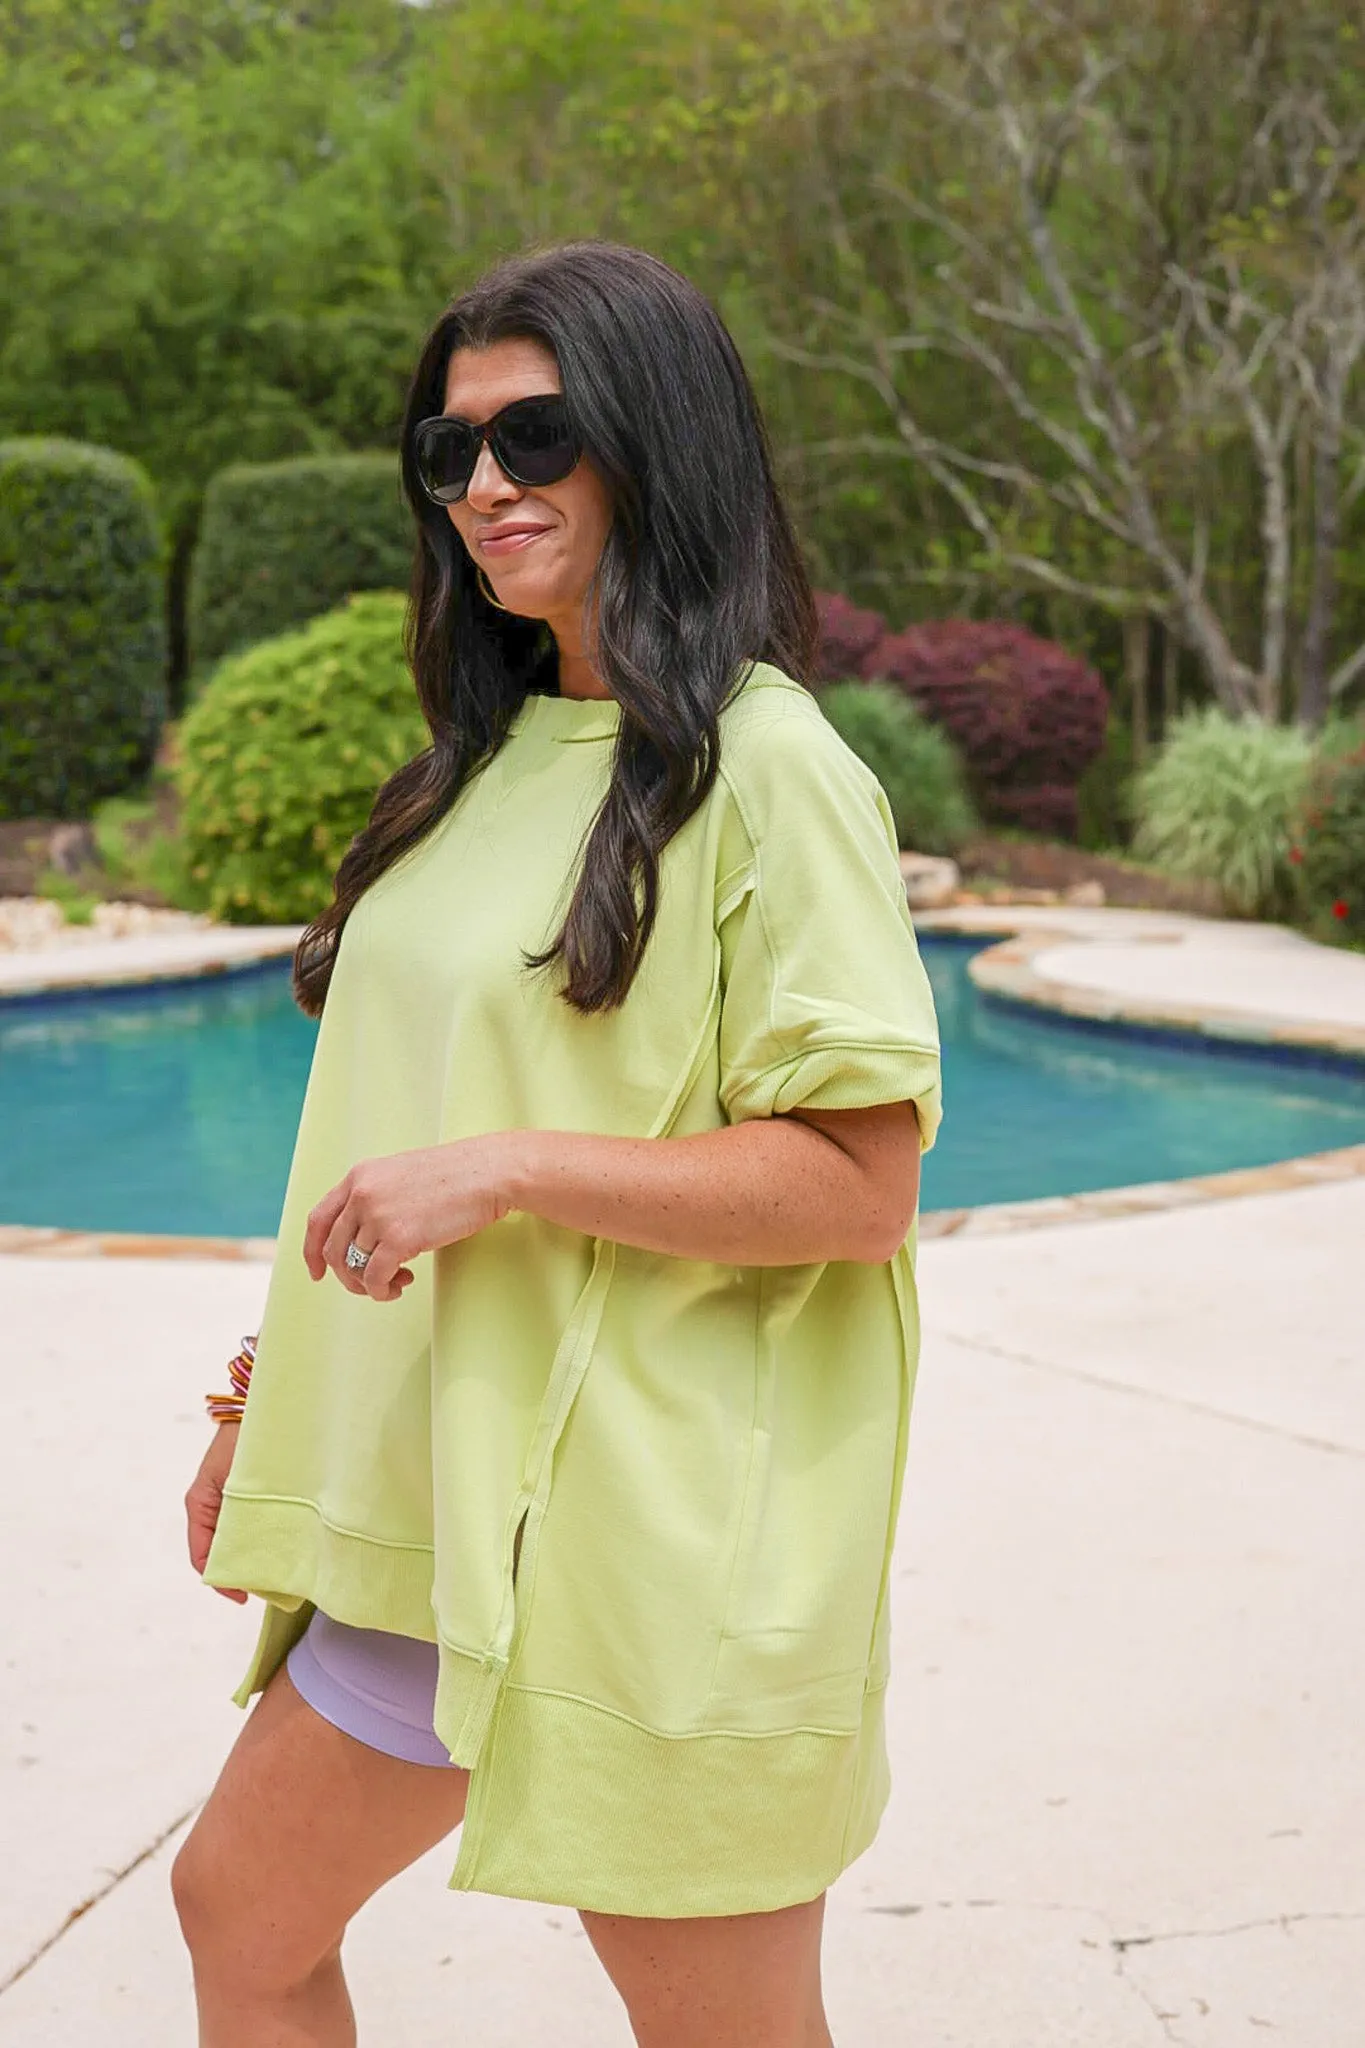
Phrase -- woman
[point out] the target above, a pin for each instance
(571, 1459)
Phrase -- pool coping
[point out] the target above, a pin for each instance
(993, 1219)
(150, 960)
(1005, 969)
(1008, 971)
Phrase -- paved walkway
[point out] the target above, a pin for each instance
(1125, 1716)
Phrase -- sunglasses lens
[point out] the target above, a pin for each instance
(447, 451)
(535, 443)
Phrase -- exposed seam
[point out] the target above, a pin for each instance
(293, 1500)
(686, 1735)
(722, 1634)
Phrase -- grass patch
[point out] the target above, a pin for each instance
(76, 903)
(137, 850)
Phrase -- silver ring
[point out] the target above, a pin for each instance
(356, 1259)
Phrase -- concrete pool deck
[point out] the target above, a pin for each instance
(1129, 1671)
(1128, 1690)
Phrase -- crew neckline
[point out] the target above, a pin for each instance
(569, 718)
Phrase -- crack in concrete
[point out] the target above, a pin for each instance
(1165, 2020)
(1111, 1386)
(78, 1912)
(1284, 1921)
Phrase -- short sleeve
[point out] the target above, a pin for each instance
(825, 1000)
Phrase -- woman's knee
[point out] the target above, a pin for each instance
(239, 1929)
(735, 1981)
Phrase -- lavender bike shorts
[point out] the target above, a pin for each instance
(377, 1687)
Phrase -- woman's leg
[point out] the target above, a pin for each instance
(304, 1825)
(747, 1980)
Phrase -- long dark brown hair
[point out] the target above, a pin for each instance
(700, 574)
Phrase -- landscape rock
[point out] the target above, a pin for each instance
(71, 849)
(931, 881)
(31, 924)
(1085, 895)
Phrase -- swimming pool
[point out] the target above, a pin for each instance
(173, 1109)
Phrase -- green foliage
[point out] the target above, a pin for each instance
(82, 626)
(138, 854)
(222, 230)
(283, 542)
(1104, 795)
(1330, 854)
(77, 905)
(283, 753)
(916, 763)
(1219, 804)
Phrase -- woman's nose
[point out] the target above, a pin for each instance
(490, 486)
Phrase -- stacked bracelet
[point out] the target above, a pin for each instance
(230, 1407)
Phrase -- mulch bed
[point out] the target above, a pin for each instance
(990, 862)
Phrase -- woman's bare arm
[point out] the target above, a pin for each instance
(779, 1191)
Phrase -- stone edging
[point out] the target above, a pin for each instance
(58, 974)
(1144, 1199)
(992, 1220)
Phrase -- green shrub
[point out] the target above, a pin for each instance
(1219, 804)
(1104, 795)
(916, 763)
(77, 904)
(82, 626)
(282, 754)
(282, 542)
(138, 853)
(1330, 854)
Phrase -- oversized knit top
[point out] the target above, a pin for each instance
(669, 1692)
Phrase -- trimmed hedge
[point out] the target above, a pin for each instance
(283, 753)
(1027, 716)
(916, 763)
(82, 626)
(282, 542)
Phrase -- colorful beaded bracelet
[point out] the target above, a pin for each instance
(230, 1407)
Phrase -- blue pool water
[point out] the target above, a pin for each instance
(174, 1109)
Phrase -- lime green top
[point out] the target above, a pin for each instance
(673, 1705)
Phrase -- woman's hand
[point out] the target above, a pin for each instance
(410, 1202)
(205, 1498)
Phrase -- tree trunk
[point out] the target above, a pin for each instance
(1137, 630)
(1170, 682)
(1313, 693)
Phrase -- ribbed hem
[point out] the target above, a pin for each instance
(573, 1806)
(288, 1552)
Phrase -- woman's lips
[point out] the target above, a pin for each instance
(508, 540)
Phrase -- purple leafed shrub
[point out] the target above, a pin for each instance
(1027, 716)
(847, 636)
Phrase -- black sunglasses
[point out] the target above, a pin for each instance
(532, 439)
